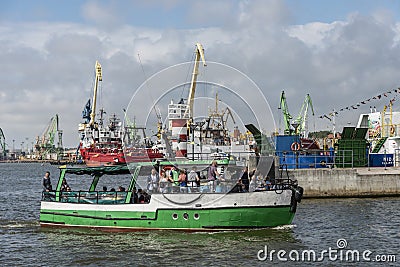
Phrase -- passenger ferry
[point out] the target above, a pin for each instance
(206, 206)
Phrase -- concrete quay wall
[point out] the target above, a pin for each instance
(356, 182)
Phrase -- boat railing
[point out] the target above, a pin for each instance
(227, 186)
(86, 197)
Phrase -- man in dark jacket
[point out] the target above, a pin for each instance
(47, 183)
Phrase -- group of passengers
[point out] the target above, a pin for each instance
(173, 180)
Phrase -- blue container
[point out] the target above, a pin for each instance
(381, 160)
(302, 161)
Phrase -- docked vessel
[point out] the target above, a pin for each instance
(189, 208)
(102, 144)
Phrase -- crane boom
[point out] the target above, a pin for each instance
(45, 144)
(96, 83)
(199, 55)
(286, 115)
(301, 119)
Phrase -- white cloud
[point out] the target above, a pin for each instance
(101, 14)
(314, 34)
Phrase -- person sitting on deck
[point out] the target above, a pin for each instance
(146, 197)
(64, 185)
(134, 197)
(244, 178)
(121, 189)
(268, 184)
(140, 196)
(238, 188)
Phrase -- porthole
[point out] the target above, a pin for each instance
(196, 216)
(185, 216)
(174, 216)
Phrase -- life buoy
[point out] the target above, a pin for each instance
(391, 130)
(295, 146)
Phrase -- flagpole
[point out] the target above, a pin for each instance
(334, 125)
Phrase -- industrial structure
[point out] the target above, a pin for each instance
(294, 149)
(46, 148)
(299, 125)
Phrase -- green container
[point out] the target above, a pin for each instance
(351, 153)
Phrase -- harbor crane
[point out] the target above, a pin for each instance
(45, 143)
(301, 120)
(299, 125)
(199, 56)
(98, 79)
(286, 115)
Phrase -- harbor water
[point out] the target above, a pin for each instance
(368, 227)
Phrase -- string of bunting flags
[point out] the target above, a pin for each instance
(356, 106)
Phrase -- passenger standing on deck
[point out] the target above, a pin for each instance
(194, 180)
(182, 181)
(175, 176)
(164, 182)
(46, 182)
(212, 176)
(152, 181)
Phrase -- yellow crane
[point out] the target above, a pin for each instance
(199, 56)
(96, 84)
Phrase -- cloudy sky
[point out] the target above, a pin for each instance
(341, 52)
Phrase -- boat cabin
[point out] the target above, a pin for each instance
(121, 184)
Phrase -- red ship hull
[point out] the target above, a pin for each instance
(142, 155)
(102, 157)
(109, 157)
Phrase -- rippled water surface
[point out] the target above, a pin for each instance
(364, 224)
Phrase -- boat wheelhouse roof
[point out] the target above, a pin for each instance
(97, 171)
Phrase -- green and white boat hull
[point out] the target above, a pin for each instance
(192, 212)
